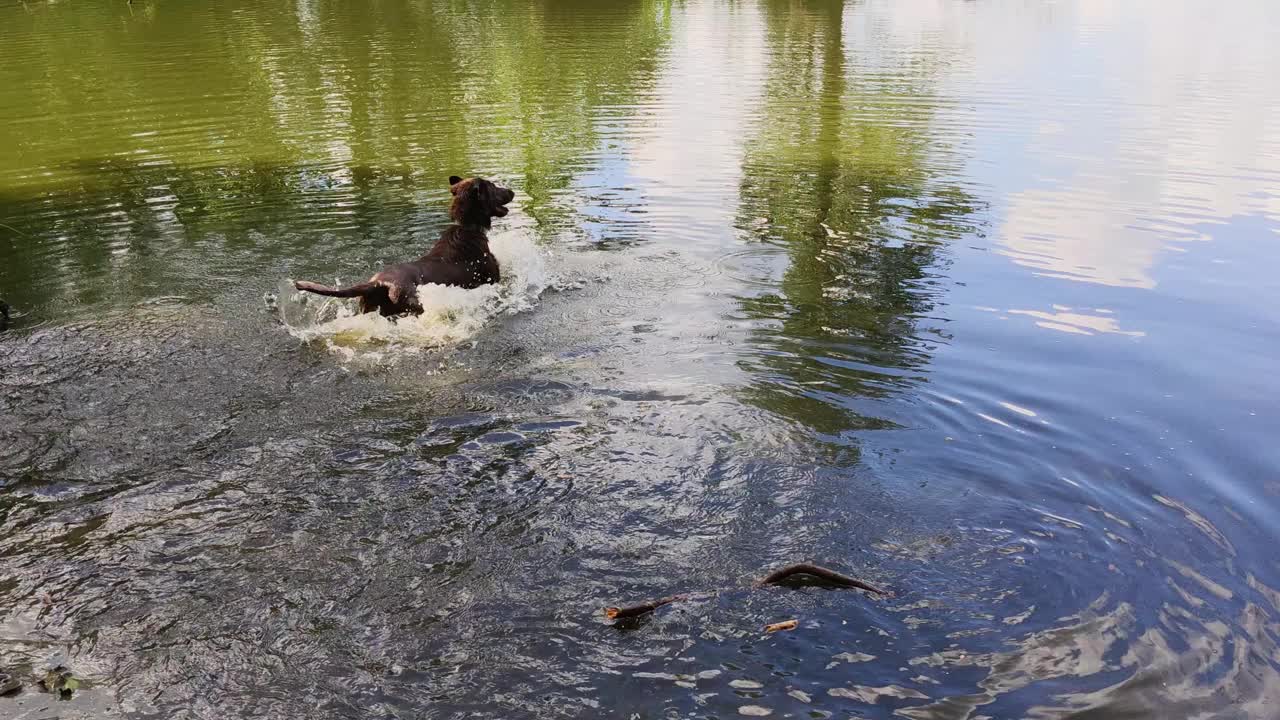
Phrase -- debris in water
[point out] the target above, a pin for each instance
(784, 625)
(754, 711)
(9, 684)
(60, 682)
(619, 613)
(828, 576)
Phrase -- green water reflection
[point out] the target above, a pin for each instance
(837, 175)
(142, 130)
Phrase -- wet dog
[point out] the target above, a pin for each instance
(460, 257)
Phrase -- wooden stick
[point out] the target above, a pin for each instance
(618, 613)
(784, 625)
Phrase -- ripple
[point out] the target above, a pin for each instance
(753, 266)
(831, 282)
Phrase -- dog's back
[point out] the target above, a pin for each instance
(461, 256)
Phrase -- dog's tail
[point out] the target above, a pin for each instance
(347, 292)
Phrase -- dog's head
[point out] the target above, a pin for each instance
(476, 200)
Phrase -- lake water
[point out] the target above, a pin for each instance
(973, 300)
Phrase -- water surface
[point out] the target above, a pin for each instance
(973, 300)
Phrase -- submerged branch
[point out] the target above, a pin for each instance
(776, 577)
(831, 576)
(629, 611)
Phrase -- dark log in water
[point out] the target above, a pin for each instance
(630, 611)
(830, 576)
(777, 576)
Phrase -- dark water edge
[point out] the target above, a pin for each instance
(970, 300)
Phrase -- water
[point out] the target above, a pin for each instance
(971, 300)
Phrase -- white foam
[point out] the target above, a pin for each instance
(451, 315)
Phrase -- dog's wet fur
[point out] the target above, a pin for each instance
(460, 257)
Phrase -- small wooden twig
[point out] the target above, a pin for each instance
(784, 625)
(618, 613)
(773, 578)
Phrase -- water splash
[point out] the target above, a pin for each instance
(451, 316)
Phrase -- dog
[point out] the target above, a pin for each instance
(460, 257)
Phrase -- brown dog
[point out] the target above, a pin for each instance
(460, 257)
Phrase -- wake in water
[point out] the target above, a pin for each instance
(451, 315)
